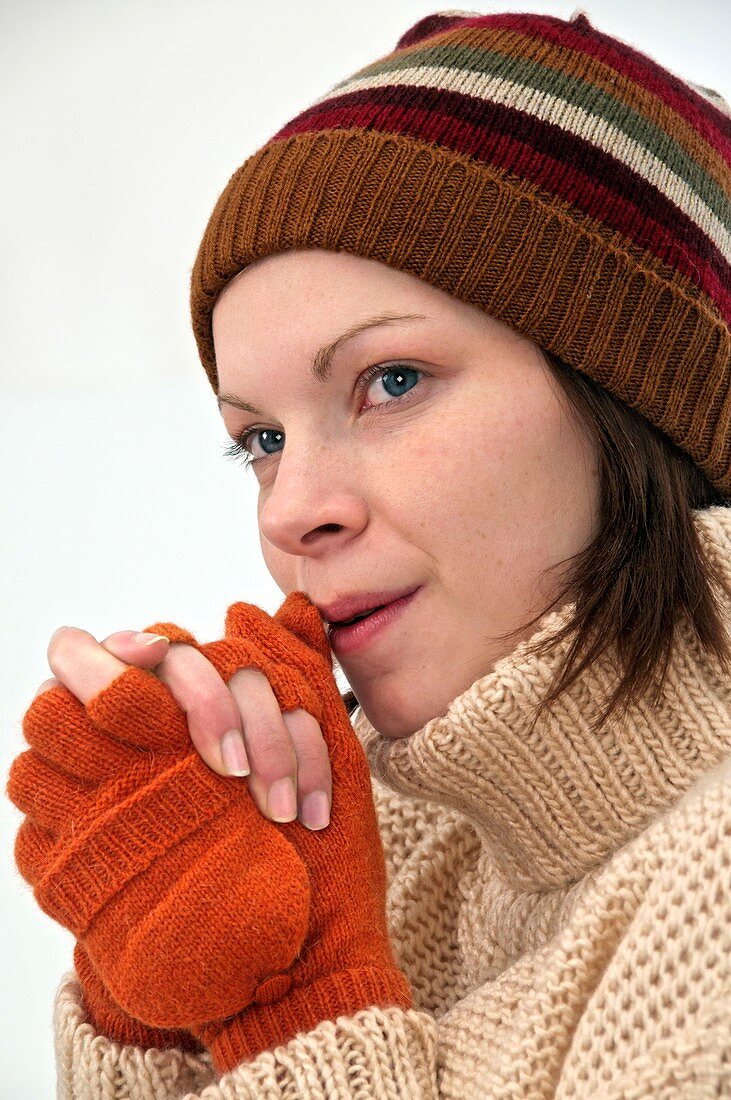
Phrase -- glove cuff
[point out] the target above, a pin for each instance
(127, 837)
(279, 1013)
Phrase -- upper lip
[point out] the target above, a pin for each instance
(348, 606)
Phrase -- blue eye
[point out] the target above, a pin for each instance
(404, 379)
(238, 449)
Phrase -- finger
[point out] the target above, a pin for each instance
(60, 731)
(209, 709)
(271, 754)
(46, 686)
(142, 649)
(314, 777)
(128, 703)
(51, 799)
(33, 850)
(290, 683)
(77, 660)
(300, 616)
(272, 633)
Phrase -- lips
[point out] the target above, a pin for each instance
(360, 604)
(369, 629)
(329, 627)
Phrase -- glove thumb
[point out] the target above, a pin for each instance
(300, 616)
(297, 615)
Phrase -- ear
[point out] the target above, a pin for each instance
(300, 616)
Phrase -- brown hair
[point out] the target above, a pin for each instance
(645, 567)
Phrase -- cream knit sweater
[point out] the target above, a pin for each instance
(561, 904)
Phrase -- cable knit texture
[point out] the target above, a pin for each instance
(561, 905)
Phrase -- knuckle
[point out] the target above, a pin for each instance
(313, 759)
(271, 751)
(205, 705)
(304, 727)
(308, 722)
(181, 655)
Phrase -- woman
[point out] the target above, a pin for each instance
(468, 319)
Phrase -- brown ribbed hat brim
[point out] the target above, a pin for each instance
(497, 242)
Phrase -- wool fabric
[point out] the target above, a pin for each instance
(191, 908)
(536, 168)
(559, 899)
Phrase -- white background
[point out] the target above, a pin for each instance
(122, 120)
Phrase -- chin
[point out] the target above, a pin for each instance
(397, 713)
(390, 723)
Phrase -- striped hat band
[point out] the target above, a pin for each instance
(537, 169)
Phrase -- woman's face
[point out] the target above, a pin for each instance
(458, 467)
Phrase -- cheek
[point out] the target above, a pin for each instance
(462, 467)
(422, 488)
(523, 449)
(500, 475)
(281, 566)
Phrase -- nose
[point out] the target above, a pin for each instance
(316, 500)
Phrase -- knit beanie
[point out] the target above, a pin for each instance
(535, 168)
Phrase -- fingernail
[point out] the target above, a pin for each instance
(316, 810)
(233, 753)
(58, 631)
(148, 639)
(282, 800)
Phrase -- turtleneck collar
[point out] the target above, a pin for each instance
(555, 804)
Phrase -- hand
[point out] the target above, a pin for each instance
(35, 844)
(278, 748)
(346, 962)
(127, 842)
(145, 937)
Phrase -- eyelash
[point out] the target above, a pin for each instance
(236, 448)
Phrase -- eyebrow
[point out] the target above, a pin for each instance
(321, 365)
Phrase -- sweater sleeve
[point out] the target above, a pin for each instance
(379, 1052)
(376, 1053)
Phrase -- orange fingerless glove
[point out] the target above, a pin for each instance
(109, 1019)
(57, 719)
(346, 962)
(196, 912)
